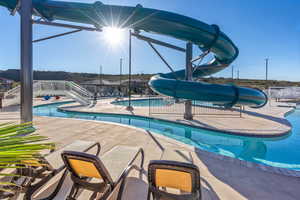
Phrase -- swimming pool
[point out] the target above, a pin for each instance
(280, 152)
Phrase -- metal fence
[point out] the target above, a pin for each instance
(51, 88)
(284, 92)
(159, 105)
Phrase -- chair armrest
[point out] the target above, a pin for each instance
(97, 144)
(53, 148)
(33, 188)
(122, 178)
(140, 151)
(129, 168)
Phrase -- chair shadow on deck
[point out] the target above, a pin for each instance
(224, 173)
(251, 183)
(155, 140)
(197, 123)
(208, 192)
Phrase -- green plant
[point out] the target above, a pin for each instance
(20, 147)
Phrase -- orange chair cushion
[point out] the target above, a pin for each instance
(84, 168)
(173, 179)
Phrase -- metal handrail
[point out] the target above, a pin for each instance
(43, 86)
(81, 88)
(284, 92)
(78, 98)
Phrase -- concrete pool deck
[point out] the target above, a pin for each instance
(227, 178)
(221, 179)
(265, 122)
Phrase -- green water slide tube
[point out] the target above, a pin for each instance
(206, 37)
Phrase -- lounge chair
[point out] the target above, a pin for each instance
(89, 172)
(137, 188)
(9, 191)
(182, 178)
(52, 164)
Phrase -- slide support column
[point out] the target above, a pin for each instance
(188, 76)
(26, 61)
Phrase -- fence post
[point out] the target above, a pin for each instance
(241, 108)
(149, 105)
(188, 76)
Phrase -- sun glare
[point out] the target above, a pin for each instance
(113, 35)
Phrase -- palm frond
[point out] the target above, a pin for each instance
(20, 147)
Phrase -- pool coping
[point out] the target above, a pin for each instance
(236, 161)
(277, 135)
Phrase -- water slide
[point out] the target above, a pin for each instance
(206, 37)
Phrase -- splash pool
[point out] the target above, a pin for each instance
(279, 152)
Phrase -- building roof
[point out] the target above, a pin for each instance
(112, 82)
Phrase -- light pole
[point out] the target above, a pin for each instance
(100, 74)
(129, 107)
(267, 71)
(121, 63)
(100, 79)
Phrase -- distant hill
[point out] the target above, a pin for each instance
(252, 83)
(14, 74)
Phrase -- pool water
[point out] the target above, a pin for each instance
(280, 152)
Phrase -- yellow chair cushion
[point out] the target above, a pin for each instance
(173, 179)
(84, 168)
(32, 163)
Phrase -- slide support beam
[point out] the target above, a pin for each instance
(26, 61)
(189, 76)
(162, 58)
(86, 28)
(55, 36)
(158, 42)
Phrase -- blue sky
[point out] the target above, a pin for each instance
(260, 29)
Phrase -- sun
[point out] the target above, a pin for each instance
(113, 35)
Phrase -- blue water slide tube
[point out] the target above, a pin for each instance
(206, 37)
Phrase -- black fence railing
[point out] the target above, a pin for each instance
(160, 105)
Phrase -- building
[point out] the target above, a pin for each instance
(5, 84)
(116, 88)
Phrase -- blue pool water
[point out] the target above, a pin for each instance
(280, 152)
